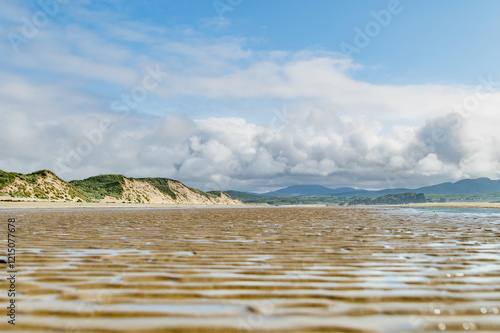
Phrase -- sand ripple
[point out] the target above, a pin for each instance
(255, 270)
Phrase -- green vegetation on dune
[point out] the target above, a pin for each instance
(32, 177)
(208, 195)
(162, 185)
(217, 194)
(45, 191)
(6, 178)
(98, 187)
(89, 189)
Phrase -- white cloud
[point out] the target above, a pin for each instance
(229, 152)
(338, 131)
(216, 23)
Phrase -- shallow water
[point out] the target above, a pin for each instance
(255, 269)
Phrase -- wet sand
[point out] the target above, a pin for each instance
(254, 270)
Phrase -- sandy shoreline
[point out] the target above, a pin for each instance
(25, 204)
(72, 204)
(451, 205)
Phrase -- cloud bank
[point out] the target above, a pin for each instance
(84, 101)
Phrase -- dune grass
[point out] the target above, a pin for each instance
(98, 187)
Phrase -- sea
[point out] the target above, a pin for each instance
(251, 269)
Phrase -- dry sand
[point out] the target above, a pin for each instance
(31, 203)
(44, 204)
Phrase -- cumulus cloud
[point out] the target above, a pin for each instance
(56, 111)
(315, 146)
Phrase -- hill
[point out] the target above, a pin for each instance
(307, 190)
(45, 185)
(465, 186)
(259, 199)
(391, 199)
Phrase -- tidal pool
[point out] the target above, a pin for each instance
(318, 269)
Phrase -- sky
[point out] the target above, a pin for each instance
(252, 95)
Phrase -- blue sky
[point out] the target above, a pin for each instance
(448, 41)
(252, 95)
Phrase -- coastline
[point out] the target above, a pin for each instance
(45, 204)
(450, 205)
(25, 204)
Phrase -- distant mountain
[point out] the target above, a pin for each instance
(465, 186)
(307, 190)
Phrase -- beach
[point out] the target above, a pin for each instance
(249, 166)
(60, 204)
(454, 204)
(46, 204)
(275, 269)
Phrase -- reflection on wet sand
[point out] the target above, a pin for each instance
(255, 270)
